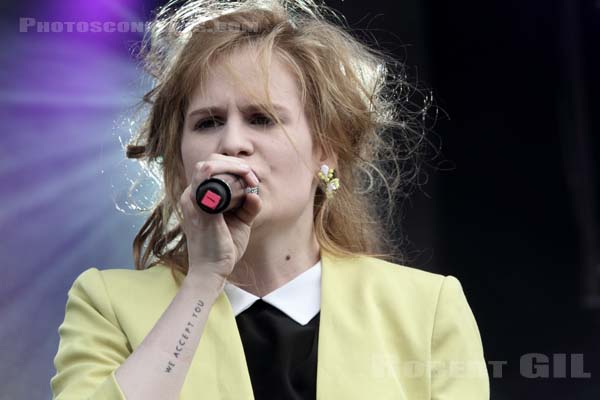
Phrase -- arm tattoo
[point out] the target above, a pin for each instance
(184, 336)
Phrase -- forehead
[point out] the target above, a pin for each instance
(238, 78)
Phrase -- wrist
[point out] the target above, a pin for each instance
(205, 281)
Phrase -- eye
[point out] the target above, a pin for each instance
(206, 123)
(262, 119)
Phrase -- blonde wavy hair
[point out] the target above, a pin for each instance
(356, 98)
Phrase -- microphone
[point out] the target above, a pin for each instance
(222, 193)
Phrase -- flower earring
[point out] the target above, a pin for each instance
(328, 181)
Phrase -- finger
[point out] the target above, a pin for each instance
(185, 202)
(190, 209)
(250, 179)
(206, 169)
(250, 209)
(246, 175)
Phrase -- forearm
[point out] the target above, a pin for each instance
(158, 367)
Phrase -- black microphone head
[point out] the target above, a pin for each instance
(213, 195)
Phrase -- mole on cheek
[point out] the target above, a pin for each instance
(287, 257)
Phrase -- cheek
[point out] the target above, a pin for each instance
(290, 174)
(190, 155)
(187, 165)
(292, 182)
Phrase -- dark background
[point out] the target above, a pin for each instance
(513, 214)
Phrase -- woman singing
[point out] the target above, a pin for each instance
(291, 293)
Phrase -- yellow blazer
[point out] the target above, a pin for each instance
(387, 331)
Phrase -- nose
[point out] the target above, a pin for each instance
(235, 139)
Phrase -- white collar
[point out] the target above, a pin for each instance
(300, 298)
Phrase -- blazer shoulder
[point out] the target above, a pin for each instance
(121, 282)
(399, 281)
(400, 274)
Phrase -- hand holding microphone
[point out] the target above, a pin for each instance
(222, 193)
(217, 239)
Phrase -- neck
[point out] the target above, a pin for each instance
(276, 256)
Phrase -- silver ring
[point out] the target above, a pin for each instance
(252, 189)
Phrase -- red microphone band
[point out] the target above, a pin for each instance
(221, 193)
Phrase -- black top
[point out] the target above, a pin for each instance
(281, 353)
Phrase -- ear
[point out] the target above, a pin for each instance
(330, 159)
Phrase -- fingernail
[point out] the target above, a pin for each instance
(254, 178)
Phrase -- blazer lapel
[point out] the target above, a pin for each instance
(353, 346)
(339, 357)
(344, 365)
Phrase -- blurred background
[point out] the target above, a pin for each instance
(512, 212)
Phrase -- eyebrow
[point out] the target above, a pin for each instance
(246, 109)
